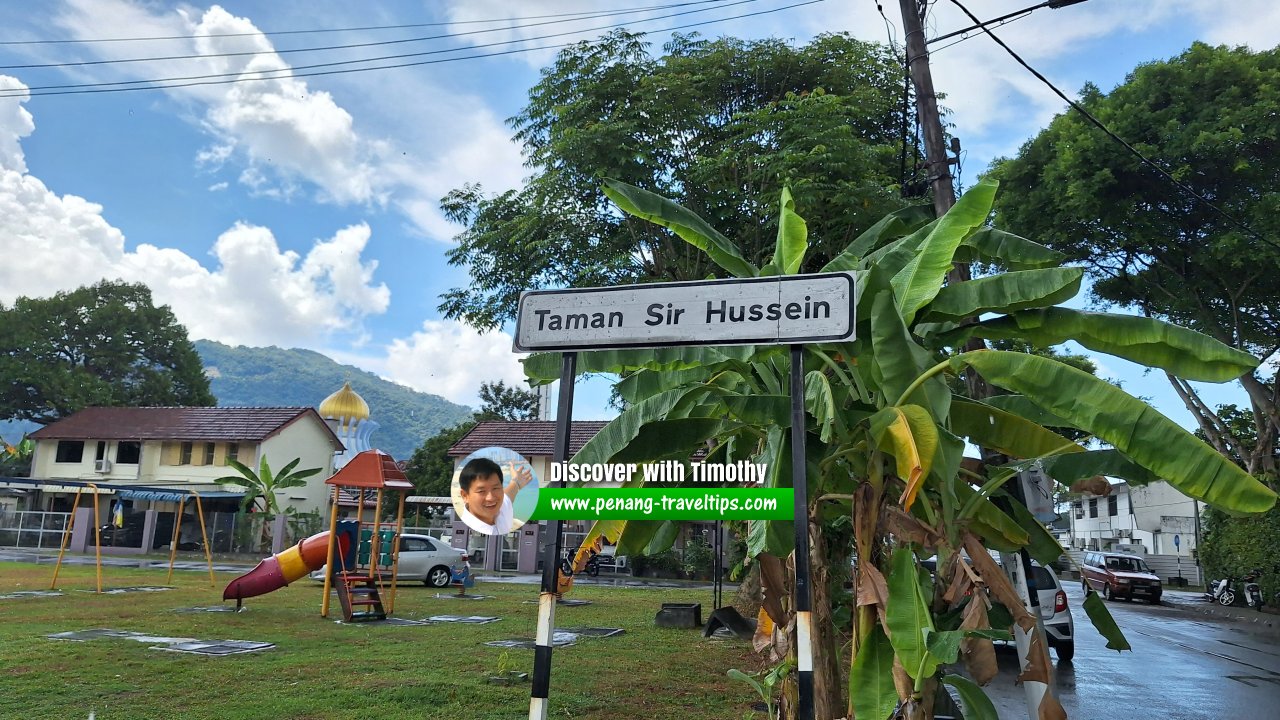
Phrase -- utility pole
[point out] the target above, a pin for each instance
(938, 170)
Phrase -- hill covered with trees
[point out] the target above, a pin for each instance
(249, 376)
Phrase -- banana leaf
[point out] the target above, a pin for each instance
(1015, 436)
(683, 222)
(871, 688)
(920, 280)
(793, 237)
(1013, 251)
(1022, 407)
(1005, 293)
(1128, 424)
(907, 615)
(896, 360)
(892, 226)
(1146, 341)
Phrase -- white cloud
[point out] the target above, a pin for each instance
(450, 359)
(286, 138)
(256, 294)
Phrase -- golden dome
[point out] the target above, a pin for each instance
(345, 405)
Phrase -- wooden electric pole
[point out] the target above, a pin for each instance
(938, 171)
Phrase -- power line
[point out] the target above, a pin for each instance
(935, 51)
(290, 71)
(1098, 123)
(352, 46)
(403, 26)
(199, 80)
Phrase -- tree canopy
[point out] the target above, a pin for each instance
(720, 125)
(430, 469)
(1208, 116)
(101, 345)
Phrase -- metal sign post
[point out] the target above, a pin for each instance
(800, 483)
(775, 310)
(551, 543)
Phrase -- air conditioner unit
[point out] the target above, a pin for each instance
(102, 466)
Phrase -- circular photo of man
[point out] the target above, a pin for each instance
(494, 490)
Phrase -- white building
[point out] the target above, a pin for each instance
(179, 448)
(1155, 519)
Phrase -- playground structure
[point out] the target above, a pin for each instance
(358, 572)
(179, 497)
(357, 554)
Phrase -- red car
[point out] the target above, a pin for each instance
(1119, 575)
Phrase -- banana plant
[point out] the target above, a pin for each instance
(885, 439)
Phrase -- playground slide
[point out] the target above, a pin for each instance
(279, 570)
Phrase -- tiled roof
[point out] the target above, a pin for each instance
(232, 424)
(527, 437)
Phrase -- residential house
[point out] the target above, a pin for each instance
(535, 440)
(1154, 519)
(180, 449)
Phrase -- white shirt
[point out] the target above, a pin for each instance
(501, 526)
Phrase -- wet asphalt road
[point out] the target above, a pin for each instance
(1184, 666)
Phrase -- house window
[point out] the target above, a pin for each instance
(101, 452)
(184, 457)
(1079, 508)
(128, 452)
(208, 453)
(233, 451)
(70, 451)
(1093, 507)
(1113, 506)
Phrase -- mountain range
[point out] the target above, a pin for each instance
(272, 376)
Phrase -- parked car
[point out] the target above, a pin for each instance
(424, 558)
(1120, 575)
(1059, 627)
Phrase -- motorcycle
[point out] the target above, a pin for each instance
(1227, 591)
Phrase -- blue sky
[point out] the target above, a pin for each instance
(302, 212)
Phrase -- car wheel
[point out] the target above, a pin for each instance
(1066, 650)
(438, 577)
(1111, 595)
(1227, 598)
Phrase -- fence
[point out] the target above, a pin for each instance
(1166, 567)
(32, 529)
(227, 532)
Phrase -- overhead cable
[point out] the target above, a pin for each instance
(1136, 153)
(402, 26)
(288, 72)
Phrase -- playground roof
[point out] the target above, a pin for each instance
(371, 469)
(527, 437)
(253, 424)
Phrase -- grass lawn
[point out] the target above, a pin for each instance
(322, 670)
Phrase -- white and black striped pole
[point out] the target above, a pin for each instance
(804, 614)
(551, 542)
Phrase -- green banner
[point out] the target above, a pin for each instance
(579, 503)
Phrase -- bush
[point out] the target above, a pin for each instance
(1235, 545)
(663, 564)
(699, 559)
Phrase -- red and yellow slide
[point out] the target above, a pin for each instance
(279, 570)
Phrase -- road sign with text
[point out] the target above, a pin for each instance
(767, 310)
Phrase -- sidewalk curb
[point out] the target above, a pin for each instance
(1258, 621)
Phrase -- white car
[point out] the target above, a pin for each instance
(1059, 628)
(424, 558)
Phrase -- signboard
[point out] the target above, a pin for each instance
(767, 310)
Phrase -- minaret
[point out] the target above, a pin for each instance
(347, 414)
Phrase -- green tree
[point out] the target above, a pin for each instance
(15, 460)
(885, 436)
(1209, 117)
(430, 469)
(105, 344)
(262, 485)
(720, 124)
(502, 402)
